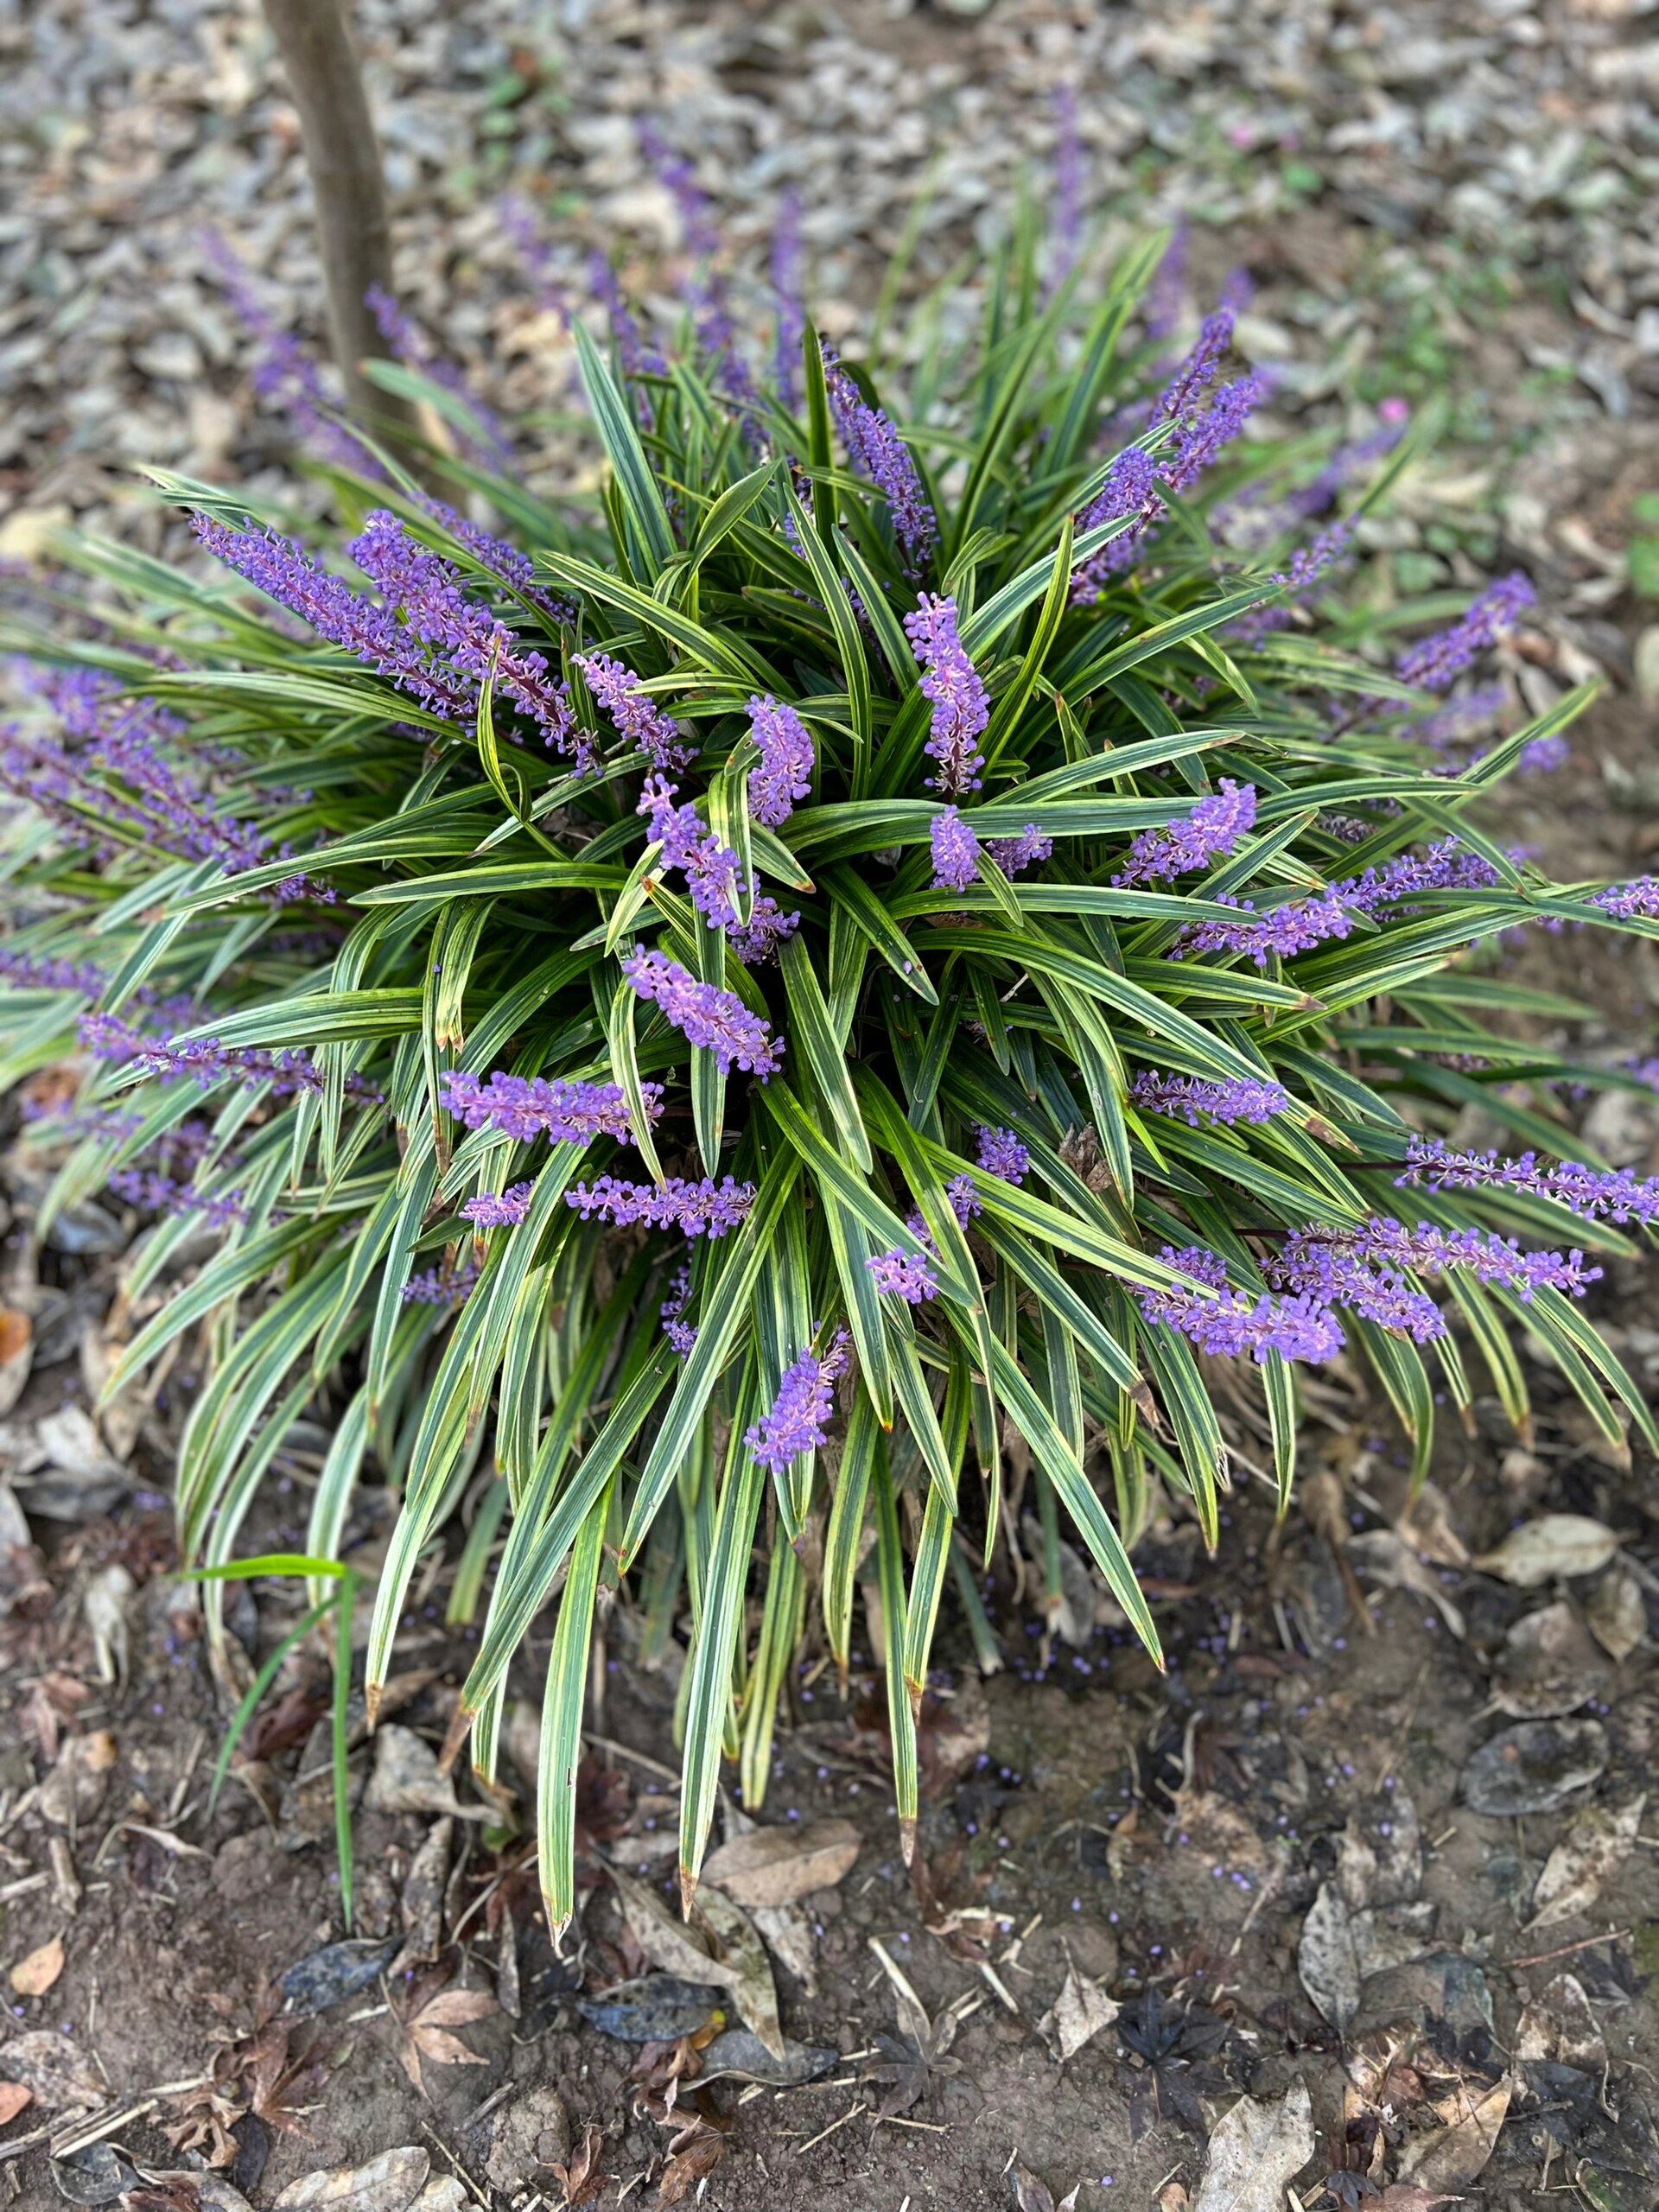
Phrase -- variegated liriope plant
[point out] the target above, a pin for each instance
(782, 1011)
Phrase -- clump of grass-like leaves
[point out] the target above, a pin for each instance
(789, 1010)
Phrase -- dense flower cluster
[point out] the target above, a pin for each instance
(713, 874)
(879, 454)
(1208, 832)
(705, 1015)
(956, 851)
(533, 1106)
(156, 1193)
(952, 684)
(1232, 1324)
(1592, 1193)
(1205, 415)
(1434, 663)
(499, 1208)
(703, 1209)
(34, 971)
(208, 1063)
(1233, 1098)
(428, 594)
(639, 721)
(799, 1415)
(787, 759)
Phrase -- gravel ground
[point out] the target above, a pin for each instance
(1415, 188)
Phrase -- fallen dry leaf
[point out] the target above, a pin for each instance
(1558, 1544)
(693, 2155)
(1616, 1613)
(581, 2181)
(1032, 2194)
(1382, 1556)
(1255, 2151)
(74, 1789)
(57, 2075)
(1558, 2028)
(17, 1355)
(406, 1778)
(1595, 1847)
(753, 1990)
(13, 2097)
(1549, 1665)
(388, 2184)
(1451, 2158)
(776, 1865)
(677, 1949)
(427, 2033)
(1327, 1958)
(34, 1975)
(1076, 2016)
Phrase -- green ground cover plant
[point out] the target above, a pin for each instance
(728, 1035)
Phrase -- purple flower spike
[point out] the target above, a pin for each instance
(1434, 662)
(1630, 901)
(718, 1020)
(955, 852)
(27, 971)
(1233, 1324)
(679, 1332)
(440, 1285)
(787, 290)
(499, 1210)
(1014, 856)
(1210, 832)
(531, 1106)
(787, 760)
(284, 572)
(1001, 1153)
(1232, 1099)
(1279, 934)
(905, 1275)
(1131, 488)
(638, 717)
(799, 1415)
(960, 709)
(878, 452)
(1590, 1192)
(705, 1209)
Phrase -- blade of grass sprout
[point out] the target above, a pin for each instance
(561, 1704)
(890, 1568)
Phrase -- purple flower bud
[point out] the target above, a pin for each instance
(955, 852)
(704, 1014)
(1638, 900)
(705, 1209)
(960, 709)
(1208, 832)
(1590, 1192)
(787, 760)
(1001, 1153)
(1014, 856)
(1233, 1324)
(799, 1415)
(531, 1106)
(1432, 663)
(499, 1210)
(1232, 1098)
(679, 1332)
(638, 718)
(879, 454)
(905, 1275)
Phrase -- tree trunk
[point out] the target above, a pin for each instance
(353, 235)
